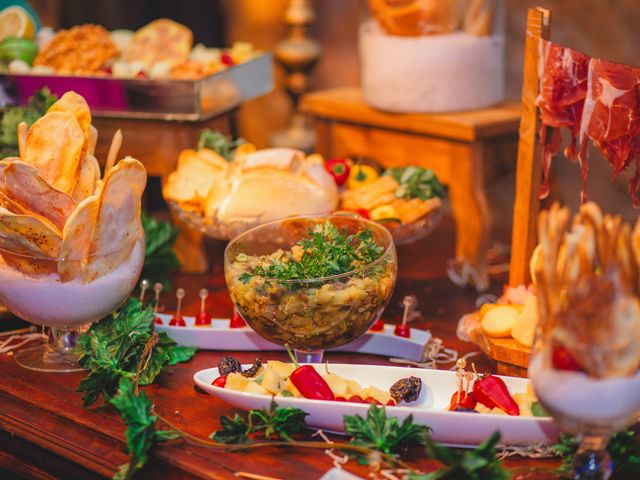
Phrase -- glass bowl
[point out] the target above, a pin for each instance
(314, 314)
(30, 287)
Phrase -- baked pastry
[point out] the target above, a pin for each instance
(80, 50)
(162, 40)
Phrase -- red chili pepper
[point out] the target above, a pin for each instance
(491, 391)
(220, 381)
(465, 401)
(378, 326)
(236, 320)
(339, 169)
(309, 382)
(562, 359)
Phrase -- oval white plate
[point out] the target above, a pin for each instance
(455, 428)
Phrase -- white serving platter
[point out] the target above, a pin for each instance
(452, 428)
(220, 337)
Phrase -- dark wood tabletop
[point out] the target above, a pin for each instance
(45, 433)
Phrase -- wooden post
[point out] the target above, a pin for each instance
(528, 170)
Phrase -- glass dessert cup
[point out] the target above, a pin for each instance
(40, 297)
(310, 315)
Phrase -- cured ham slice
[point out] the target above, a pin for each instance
(611, 117)
(563, 74)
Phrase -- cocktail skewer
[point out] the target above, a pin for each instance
(157, 288)
(177, 320)
(204, 318)
(144, 285)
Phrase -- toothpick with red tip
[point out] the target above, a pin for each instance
(203, 319)
(144, 285)
(236, 320)
(402, 329)
(157, 288)
(177, 320)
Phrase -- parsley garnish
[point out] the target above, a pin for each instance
(159, 256)
(37, 106)
(111, 349)
(382, 433)
(220, 143)
(275, 422)
(141, 434)
(416, 182)
(327, 251)
(477, 464)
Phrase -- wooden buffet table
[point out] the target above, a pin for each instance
(465, 149)
(45, 433)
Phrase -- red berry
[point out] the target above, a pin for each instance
(562, 359)
(226, 59)
(220, 381)
(402, 330)
(157, 320)
(355, 399)
(378, 326)
(372, 400)
(177, 322)
(340, 399)
(141, 74)
(391, 402)
(203, 319)
(236, 320)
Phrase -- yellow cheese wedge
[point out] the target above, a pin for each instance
(524, 328)
(499, 321)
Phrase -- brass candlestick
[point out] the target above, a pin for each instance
(297, 53)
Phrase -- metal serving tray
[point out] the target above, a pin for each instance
(156, 99)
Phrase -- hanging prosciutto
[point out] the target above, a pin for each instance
(611, 117)
(563, 88)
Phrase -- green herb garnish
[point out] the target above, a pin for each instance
(220, 143)
(159, 256)
(477, 464)
(416, 182)
(327, 251)
(141, 434)
(382, 433)
(111, 349)
(273, 423)
(624, 448)
(37, 106)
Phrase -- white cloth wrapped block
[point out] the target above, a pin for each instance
(430, 74)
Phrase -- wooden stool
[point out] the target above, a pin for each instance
(465, 149)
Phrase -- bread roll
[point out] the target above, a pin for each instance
(271, 184)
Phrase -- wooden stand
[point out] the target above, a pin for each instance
(465, 149)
